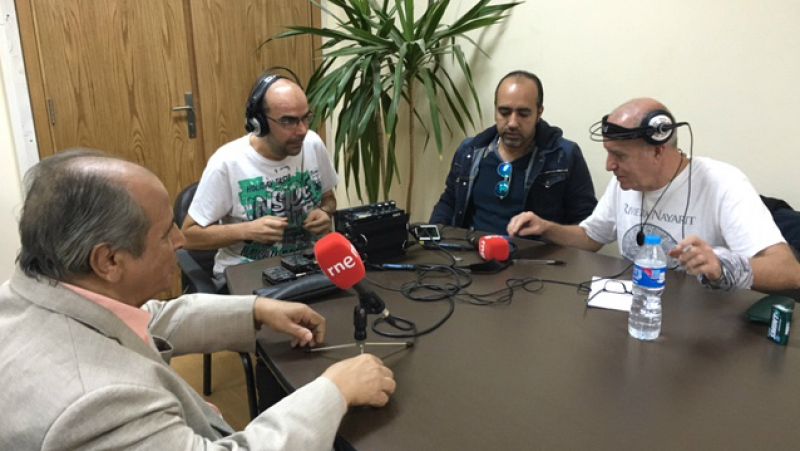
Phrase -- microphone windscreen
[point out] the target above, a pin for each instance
(339, 260)
(494, 248)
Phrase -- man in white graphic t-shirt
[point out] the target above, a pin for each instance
(269, 192)
(710, 218)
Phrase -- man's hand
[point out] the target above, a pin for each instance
(527, 223)
(362, 380)
(266, 229)
(317, 222)
(697, 257)
(304, 325)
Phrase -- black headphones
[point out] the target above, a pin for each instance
(255, 116)
(656, 128)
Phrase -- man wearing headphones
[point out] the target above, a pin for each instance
(709, 216)
(269, 192)
(521, 163)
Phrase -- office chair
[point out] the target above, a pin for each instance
(196, 277)
(787, 219)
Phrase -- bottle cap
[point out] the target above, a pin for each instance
(653, 240)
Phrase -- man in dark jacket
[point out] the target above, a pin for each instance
(520, 164)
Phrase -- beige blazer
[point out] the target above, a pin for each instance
(74, 376)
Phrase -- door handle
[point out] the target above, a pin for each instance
(191, 118)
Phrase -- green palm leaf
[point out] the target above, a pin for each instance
(374, 56)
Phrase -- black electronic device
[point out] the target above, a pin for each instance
(277, 274)
(369, 213)
(378, 231)
(425, 232)
(656, 128)
(305, 289)
(298, 263)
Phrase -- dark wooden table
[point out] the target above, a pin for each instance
(545, 372)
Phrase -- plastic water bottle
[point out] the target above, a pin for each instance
(649, 272)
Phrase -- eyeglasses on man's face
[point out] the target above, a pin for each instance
(503, 186)
(612, 286)
(292, 122)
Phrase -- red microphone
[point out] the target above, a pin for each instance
(339, 260)
(493, 248)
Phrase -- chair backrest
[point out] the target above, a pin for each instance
(787, 219)
(183, 202)
(204, 259)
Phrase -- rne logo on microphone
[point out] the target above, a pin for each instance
(347, 263)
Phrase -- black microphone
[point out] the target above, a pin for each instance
(370, 300)
(640, 236)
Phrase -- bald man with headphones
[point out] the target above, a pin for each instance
(711, 220)
(269, 192)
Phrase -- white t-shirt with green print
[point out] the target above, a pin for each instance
(239, 184)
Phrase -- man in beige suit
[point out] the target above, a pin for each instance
(83, 352)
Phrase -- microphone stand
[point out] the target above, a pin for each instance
(369, 303)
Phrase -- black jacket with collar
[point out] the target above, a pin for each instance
(558, 184)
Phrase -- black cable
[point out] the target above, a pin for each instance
(410, 290)
(643, 222)
(409, 326)
(435, 246)
(511, 285)
(461, 279)
(689, 187)
(423, 289)
(426, 272)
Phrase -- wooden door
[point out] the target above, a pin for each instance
(111, 71)
(227, 44)
(107, 74)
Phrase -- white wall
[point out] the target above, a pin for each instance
(729, 67)
(10, 194)
(17, 135)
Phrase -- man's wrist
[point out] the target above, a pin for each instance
(735, 271)
(256, 319)
(261, 311)
(328, 210)
(547, 228)
(242, 230)
(719, 283)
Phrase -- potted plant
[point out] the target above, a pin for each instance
(379, 55)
